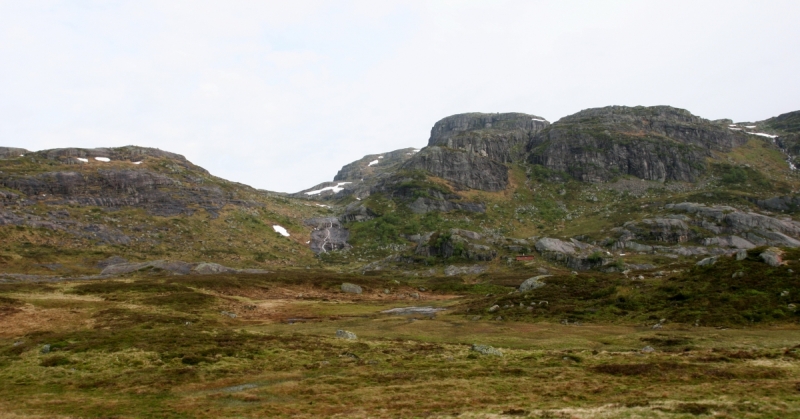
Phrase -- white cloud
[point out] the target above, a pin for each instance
(280, 95)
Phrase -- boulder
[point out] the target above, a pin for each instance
(707, 261)
(574, 254)
(344, 334)
(351, 288)
(486, 350)
(772, 257)
(205, 268)
(532, 283)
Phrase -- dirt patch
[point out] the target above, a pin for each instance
(28, 319)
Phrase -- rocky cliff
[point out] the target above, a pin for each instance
(654, 143)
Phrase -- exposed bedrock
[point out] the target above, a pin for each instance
(464, 169)
(499, 136)
(654, 143)
(328, 234)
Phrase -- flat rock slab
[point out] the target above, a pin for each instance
(428, 311)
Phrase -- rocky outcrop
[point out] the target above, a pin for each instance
(171, 187)
(454, 243)
(328, 235)
(658, 143)
(498, 136)
(374, 164)
(12, 152)
(757, 229)
(574, 254)
(175, 267)
(464, 169)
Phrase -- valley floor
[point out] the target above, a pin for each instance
(265, 346)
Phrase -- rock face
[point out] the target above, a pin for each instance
(328, 234)
(464, 169)
(654, 143)
(500, 137)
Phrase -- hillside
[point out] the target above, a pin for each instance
(63, 211)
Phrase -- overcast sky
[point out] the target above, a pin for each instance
(279, 95)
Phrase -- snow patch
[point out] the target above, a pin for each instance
(323, 206)
(335, 189)
(735, 129)
(137, 162)
(82, 159)
(103, 159)
(280, 230)
(373, 163)
(732, 125)
(750, 126)
(537, 119)
(761, 134)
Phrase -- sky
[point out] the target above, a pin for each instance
(280, 95)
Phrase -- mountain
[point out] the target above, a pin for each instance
(608, 188)
(611, 188)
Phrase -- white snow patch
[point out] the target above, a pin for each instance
(82, 159)
(732, 125)
(335, 189)
(761, 134)
(735, 129)
(137, 162)
(380, 157)
(22, 155)
(308, 242)
(103, 159)
(537, 119)
(358, 199)
(323, 206)
(750, 126)
(280, 230)
(373, 163)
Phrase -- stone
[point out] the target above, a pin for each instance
(741, 254)
(414, 295)
(344, 334)
(494, 308)
(648, 350)
(205, 268)
(452, 270)
(738, 274)
(707, 261)
(229, 314)
(772, 257)
(532, 283)
(476, 318)
(45, 349)
(486, 350)
(351, 288)
(427, 311)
